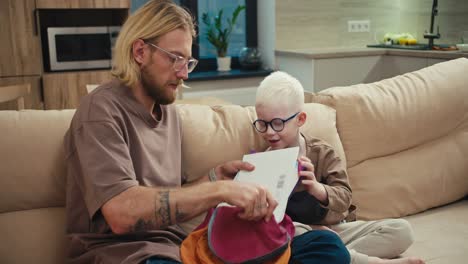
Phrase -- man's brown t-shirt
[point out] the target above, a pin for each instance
(114, 143)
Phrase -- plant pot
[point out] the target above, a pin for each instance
(224, 63)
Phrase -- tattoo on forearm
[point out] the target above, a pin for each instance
(180, 216)
(142, 225)
(163, 213)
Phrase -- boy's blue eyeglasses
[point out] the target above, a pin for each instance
(277, 124)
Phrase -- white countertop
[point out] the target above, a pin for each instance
(325, 53)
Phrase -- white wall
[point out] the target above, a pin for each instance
(267, 32)
(305, 24)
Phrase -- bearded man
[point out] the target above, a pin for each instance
(123, 152)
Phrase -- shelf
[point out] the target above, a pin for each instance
(232, 74)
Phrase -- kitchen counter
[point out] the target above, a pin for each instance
(327, 53)
(318, 69)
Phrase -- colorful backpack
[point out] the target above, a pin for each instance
(225, 238)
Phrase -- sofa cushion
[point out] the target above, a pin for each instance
(33, 236)
(33, 168)
(207, 100)
(32, 158)
(406, 139)
(213, 135)
(441, 234)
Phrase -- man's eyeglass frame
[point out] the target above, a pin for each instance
(190, 63)
(270, 123)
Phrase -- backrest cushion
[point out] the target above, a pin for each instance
(33, 170)
(405, 138)
(213, 135)
(33, 236)
(32, 158)
(32, 178)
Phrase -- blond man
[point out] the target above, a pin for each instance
(123, 152)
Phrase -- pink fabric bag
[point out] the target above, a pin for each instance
(234, 240)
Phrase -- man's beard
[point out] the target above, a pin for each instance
(159, 94)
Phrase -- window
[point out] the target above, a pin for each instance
(244, 33)
(237, 39)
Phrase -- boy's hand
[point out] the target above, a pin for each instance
(306, 171)
(228, 170)
(309, 181)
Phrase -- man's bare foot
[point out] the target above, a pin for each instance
(407, 260)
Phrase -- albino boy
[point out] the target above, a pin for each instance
(322, 199)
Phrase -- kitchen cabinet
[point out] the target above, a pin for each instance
(239, 91)
(20, 51)
(368, 69)
(346, 71)
(431, 61)
(321, 73)
(64, 90)
(321, 69)
(33, 100)
(397, 65)
(83, 4)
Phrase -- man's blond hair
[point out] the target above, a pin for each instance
(150, 22)
(280, 88)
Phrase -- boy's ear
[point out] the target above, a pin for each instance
(302, 117)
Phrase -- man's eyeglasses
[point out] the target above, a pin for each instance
(277, 124)
(179, 61)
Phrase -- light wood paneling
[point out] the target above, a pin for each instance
(33, 100)
(64, 90)
(15, 93)
(83, 4)
(20, 52)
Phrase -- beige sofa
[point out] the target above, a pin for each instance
(405, 140)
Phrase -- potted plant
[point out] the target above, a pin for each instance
(218, 35)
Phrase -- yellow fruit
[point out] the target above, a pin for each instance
(407, 41)
(403, 41)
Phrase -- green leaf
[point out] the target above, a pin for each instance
(216, 34)
(206, 20)
(236, 13)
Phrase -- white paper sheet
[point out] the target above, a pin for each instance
(276, 170)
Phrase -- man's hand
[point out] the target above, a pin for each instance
(255, 201)
(228, 170)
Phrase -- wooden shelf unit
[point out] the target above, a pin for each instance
(46, 4)
(64, 90)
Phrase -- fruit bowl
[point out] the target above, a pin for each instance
(462, 47)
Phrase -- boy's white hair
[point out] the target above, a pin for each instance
(280, 88)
